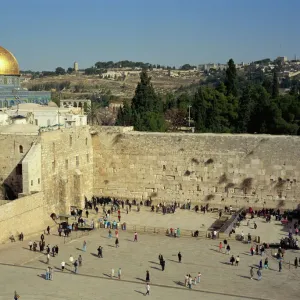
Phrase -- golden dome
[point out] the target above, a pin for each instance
(8, 63)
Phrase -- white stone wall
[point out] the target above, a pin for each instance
(220, 169)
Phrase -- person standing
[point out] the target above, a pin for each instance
(251, 273)
(75, 267)
(237, 260)
(109, 234)
(48, 230)
(119, 273)
(147, 276)
(147, 289)
(117, 242)
(190, 281)
(50, 273)
(266, 264)
(71, 259)
(112, 273)
(199, 277)
(280, 265)
(47, 273)
(48, 258)
(135, 237)
(16, 296)
(179, 257)
(296, 263)
(100, 252)
(232, 260)
(228, 249)
(30, 245)
(80, 260)
(163, 264)
(84, 246)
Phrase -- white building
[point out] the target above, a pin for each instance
(47, 117)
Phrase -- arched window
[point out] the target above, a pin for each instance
(21, 149)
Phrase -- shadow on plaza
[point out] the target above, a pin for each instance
(43, 276)
(156, 268)
(137, 278)
(153, 262)
(139, 292)
(179, 283)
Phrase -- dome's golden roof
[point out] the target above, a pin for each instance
(8, 63)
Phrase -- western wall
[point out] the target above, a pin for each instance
(219, 169)
(59, 168)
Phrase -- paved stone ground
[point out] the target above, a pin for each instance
(93, 281)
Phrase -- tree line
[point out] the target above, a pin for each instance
(233, 105)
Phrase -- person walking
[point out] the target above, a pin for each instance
(62, 265)
(259, 274)
(109, 234)
(237, 260)
(48, 258)
(117, 242)
(296, 263)
(79, 260)
(260, 264)
(147, 289)
(84, 246)
(220, 247)
(147, 276)
(48, 230)
(179, 257)
(251, 273)
(135, 237)
(119, 273)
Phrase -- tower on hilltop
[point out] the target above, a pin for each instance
(76, 67)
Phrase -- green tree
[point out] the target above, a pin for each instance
(70, 70)
(60, 71)
(199, 110)
(230, 79)
(147, 106)
(275, 85)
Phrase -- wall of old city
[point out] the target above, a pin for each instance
(25, 215)
(67, 168)
(219, 169)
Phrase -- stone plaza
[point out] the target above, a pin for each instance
(219, 279)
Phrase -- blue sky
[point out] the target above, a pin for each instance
(44, 34)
